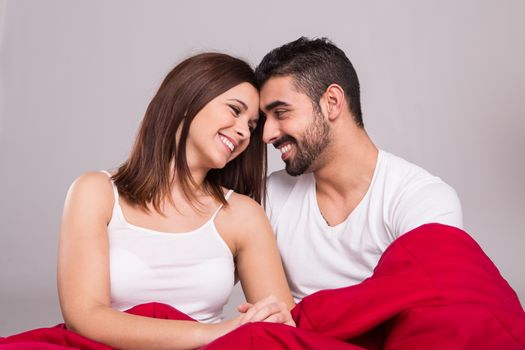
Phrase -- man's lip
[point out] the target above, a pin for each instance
(281, 145)
(285, 156)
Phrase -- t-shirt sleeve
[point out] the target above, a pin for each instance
(431, 202)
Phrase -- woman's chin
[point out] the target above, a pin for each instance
(219, 163)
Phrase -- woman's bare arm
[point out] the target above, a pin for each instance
(258, 262)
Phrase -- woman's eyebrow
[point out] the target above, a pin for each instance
(240, 102)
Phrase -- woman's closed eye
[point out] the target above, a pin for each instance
(236, 110)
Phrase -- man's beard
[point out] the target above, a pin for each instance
(314, 141)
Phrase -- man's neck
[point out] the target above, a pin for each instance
(348, 168)
(342, 181)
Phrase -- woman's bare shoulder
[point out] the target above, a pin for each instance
(95, 181)
(244, 203)
(92, 189)
(244, 211)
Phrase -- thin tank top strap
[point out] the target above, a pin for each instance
(226, 196)
(115, 190)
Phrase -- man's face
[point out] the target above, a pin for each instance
(293, 125)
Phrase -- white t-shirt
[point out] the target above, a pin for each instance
(401, 197)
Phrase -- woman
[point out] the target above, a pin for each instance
(167, 226)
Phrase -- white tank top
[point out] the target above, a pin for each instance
(191, 271)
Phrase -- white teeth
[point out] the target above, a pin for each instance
(227, 142)
(285, 148)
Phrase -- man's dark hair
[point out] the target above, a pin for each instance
(314, 64)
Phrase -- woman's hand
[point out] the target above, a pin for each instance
(269, 309)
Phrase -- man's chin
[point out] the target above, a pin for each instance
(293, 171)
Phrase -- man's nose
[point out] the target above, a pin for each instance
(270, 131)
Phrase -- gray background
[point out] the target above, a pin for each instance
(443, 85)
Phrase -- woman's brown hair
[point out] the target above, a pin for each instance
(147, 176)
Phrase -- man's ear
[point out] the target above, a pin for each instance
(333, 100)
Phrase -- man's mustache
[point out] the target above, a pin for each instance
(283, 140)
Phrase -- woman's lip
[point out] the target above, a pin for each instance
(220, 137)
(235, 144)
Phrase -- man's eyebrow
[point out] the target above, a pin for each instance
(244, 106)
(275, 104)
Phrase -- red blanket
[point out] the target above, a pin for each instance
(433, 288)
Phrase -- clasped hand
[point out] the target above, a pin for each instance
(269, 309)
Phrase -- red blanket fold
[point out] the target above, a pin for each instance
(433, 288)
(60, 338)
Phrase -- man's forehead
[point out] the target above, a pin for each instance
(277, 89)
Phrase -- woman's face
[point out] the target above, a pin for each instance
(221, 130)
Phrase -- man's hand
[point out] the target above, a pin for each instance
(268, 309)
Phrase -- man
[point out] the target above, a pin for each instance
(345, 201)
(372, 245)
